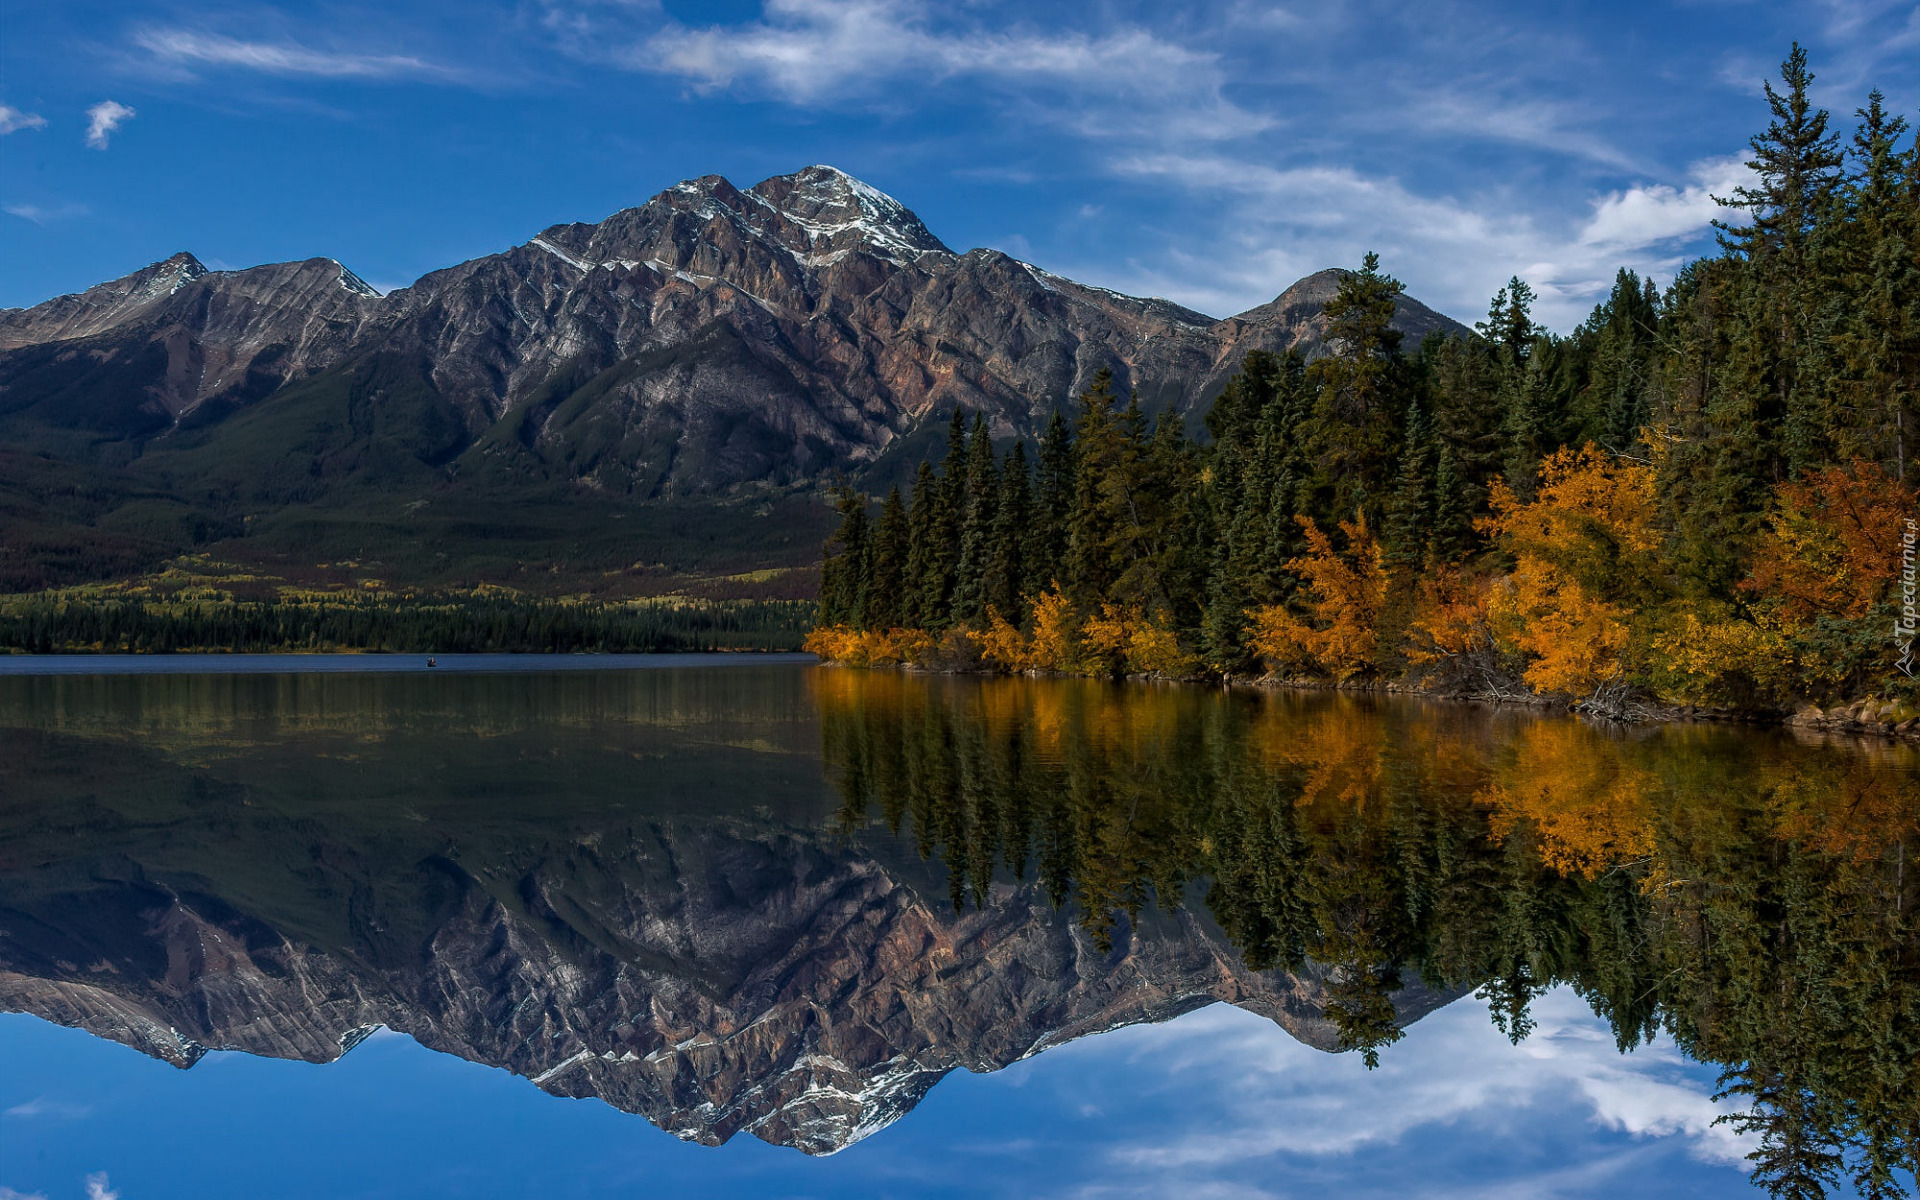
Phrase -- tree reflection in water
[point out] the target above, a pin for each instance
(1745, 892)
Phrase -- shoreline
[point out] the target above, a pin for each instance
(1858, 718)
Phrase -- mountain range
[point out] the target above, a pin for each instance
(694, 367)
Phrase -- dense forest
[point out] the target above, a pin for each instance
(1702, 495)
(1749, 897)
(447, 624)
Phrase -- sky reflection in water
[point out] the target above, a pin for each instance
(1217, 1103)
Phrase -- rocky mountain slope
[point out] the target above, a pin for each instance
(709, 341)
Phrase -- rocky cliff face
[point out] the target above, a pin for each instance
(707, 339)
(770, 982)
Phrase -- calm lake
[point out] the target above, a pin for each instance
(745, 928)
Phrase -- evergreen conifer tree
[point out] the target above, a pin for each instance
(887, 566)
(1046, 554)
(1006, 569)
(920, 547)
(843, 572)
(979, 504)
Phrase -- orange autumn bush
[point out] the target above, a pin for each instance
(1584, 550)
(1347, 595)
(1450, 617)
(1833, 542)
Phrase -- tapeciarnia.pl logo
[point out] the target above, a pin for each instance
(1904, 625)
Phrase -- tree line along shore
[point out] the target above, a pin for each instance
(1701, 500)
(474, 622)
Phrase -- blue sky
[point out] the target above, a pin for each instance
(1218, 1105)
(1210, 153)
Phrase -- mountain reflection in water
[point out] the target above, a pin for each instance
(788, 901)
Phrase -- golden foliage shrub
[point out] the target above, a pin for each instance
(1450, 617)
(1347, 595)
(1584, 551)
(1002, 643)
(1054, 645)
(869, 648)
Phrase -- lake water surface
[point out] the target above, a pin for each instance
(736, 927)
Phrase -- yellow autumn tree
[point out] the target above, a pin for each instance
(1347, 593)
(1055, 644)
(1584, 565)
(1450, 617)
(1127, 637)
(1002, 643)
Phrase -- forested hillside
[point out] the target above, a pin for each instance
(1703, 495)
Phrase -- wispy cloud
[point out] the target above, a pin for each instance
(1124, 79)
(102, 119)
(187, 49)
(97, 1188)
(13, 120)
(40, 1106)
(7, 1193)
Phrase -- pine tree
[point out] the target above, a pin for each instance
(1006, 569)
(887, 567)
(920, 548)
(979, 502)
(1797, 162)
(941, 556)
(1093, 518)
(1509, 324)
(1352, 432)
(1452, 511)
(1410, 510)
(1046, 554)
(843, 572)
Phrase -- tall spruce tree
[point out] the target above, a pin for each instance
(887, 567)
(1095, 520)
(941, 557)
(1006, 569)
(843, 571)
(1046, 554)
(979, 505)
(1410, 510)
(1356, 414)
(920, 548)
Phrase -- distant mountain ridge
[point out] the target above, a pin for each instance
(709, 343)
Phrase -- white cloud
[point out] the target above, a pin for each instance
(1271, 225)
(7, 1193)
(1453, 1073)
(1649, 214)
(1126, 81)
(12, 120)
(186, 48)
(97, 1188)
(102, 119)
